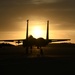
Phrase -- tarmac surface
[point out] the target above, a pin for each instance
(52, 61)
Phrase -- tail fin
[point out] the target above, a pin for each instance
(27, 30)
(47, 34)
(25, 42)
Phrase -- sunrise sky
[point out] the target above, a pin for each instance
(60, 13)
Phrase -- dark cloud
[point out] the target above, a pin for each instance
(8, 2)
(57, 11)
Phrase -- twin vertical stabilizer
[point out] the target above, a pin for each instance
(47, 34)
(27, 30)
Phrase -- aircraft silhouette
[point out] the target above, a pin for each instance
(31, 41)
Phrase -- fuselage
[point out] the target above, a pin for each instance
(40, 42)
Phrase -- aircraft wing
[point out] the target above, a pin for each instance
(51, 40)
(58, 40)
(13, 40)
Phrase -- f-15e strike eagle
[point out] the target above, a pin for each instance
(39, 42)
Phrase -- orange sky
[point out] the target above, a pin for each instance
(60, 13)
(38, 29)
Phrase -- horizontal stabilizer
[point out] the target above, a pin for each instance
(58, 40)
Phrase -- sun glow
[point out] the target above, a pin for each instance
(37, 31)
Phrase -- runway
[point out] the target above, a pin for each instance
(19, 52)
(55, 61)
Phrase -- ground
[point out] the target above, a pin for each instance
(56, 59)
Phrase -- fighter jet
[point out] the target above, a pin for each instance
(31, 41)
